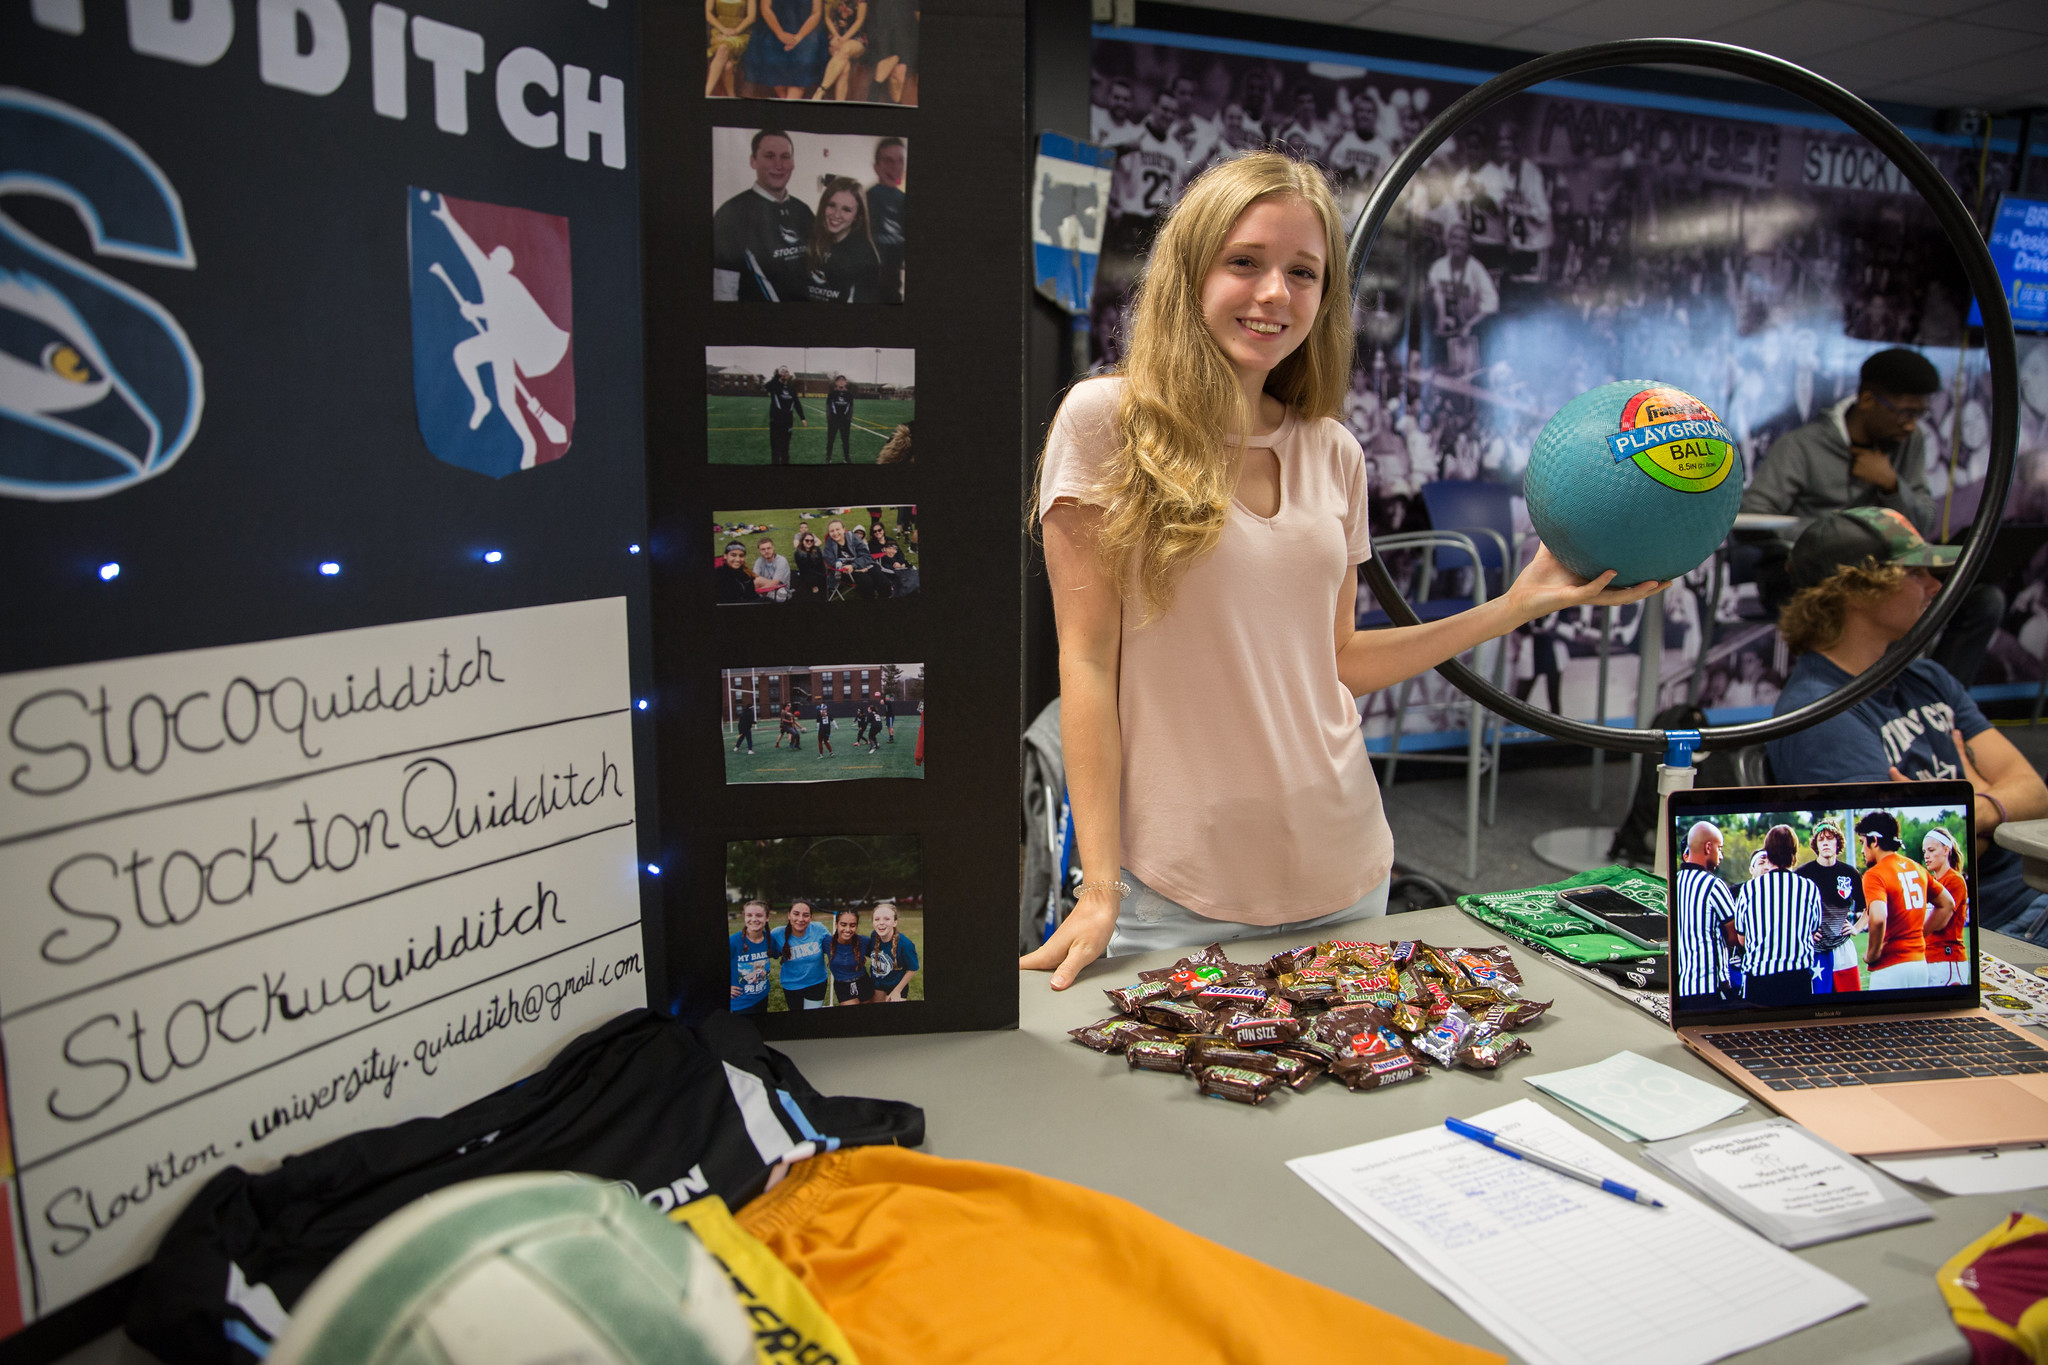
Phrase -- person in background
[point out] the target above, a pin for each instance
(750, 952)
(839, 419)
(785, 410)
(845, 41)
(824, 729)
(892, 43)
(800, 947)
(850, 560)
(791, 54)
(851, 984)
(730, 580)
(1948, 948)
(792, 728)
(1841, 905)
(727, 23)
(1903, 904)
(1863, 577)
(860, 726)
(1463, 295)
(771, 573)
(743, 725)
(892, 958)
(809, 568)
(1704, 924)
(758, 235)
(889, 716)
(888, 557)
(888, 206)
(1869, 451)
(1777, 916)
(845, 267)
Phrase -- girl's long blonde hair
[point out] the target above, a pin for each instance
(1167, 487)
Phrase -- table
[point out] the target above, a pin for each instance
(1034, 1099)
(2029, 839)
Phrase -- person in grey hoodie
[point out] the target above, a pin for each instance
(1868, 451)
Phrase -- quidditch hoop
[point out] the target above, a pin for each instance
(1963, 235)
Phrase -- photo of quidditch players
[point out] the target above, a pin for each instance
(807, 217)
(823, 722)
(777, 405)
(824, 554)
(842, 51)
(1775, 909)
(825, 922)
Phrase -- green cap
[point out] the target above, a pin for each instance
(1841, 539)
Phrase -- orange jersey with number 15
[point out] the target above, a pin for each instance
(1901, 884)
(1946, 943)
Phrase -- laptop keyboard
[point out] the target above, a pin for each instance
(1880, 1054)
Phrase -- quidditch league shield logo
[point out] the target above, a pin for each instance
(493, 365)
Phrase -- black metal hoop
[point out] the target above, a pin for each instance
(1963, 235)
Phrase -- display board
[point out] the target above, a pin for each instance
(897, 537)
(1751, 255)
(319, 318)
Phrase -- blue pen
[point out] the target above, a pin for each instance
(1521, 1153)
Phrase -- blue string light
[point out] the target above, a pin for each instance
(493, 556)
(642, 703)
(632, 549)
(109, 572)
(328, 568)
(653, 870)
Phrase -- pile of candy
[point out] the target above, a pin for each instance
(1367, 1014)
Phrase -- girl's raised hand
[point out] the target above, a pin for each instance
(1547, 586)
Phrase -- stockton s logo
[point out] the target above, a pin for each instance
(490, 292)
(99, 387)
(1675, 439)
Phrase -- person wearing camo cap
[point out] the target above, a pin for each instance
(1863, 577)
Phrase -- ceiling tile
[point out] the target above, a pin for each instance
(2015, 67)
(1929, 9)
(1502, 13)
(2029, 16)
(1808, 28)
(1314, 11)
(1914, 54)
(1429, 24)
(1610, 19)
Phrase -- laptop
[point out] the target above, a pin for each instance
(1880, 1048)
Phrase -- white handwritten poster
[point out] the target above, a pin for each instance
(261, 896)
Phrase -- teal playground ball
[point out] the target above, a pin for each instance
(1636, 476)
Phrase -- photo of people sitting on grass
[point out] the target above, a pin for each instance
(824, 921)
(820, 554)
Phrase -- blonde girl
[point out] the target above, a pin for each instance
(1204, 515)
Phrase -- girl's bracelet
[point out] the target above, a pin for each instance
(1121, 888)
(1996, 805)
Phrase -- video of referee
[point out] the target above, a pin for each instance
(1772, 909)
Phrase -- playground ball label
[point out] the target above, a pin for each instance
(1675, 439)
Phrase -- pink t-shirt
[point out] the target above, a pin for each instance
(1247, 793)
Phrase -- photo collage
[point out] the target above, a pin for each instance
(802, 216)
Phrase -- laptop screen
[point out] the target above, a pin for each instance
(1820, 900)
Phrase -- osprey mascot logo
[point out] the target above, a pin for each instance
(99, 387)
(493, 373)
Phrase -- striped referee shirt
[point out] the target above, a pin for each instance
(1778, 912)
(1704, 905)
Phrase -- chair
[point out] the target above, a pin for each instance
(1439, 547)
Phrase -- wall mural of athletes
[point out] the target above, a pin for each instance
(1753, 257)
(807, 217)
(823, 554)
(819, 922)
(847, 51)
(822, 722)
(810, 405)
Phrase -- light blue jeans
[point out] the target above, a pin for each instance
(1147, 921)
